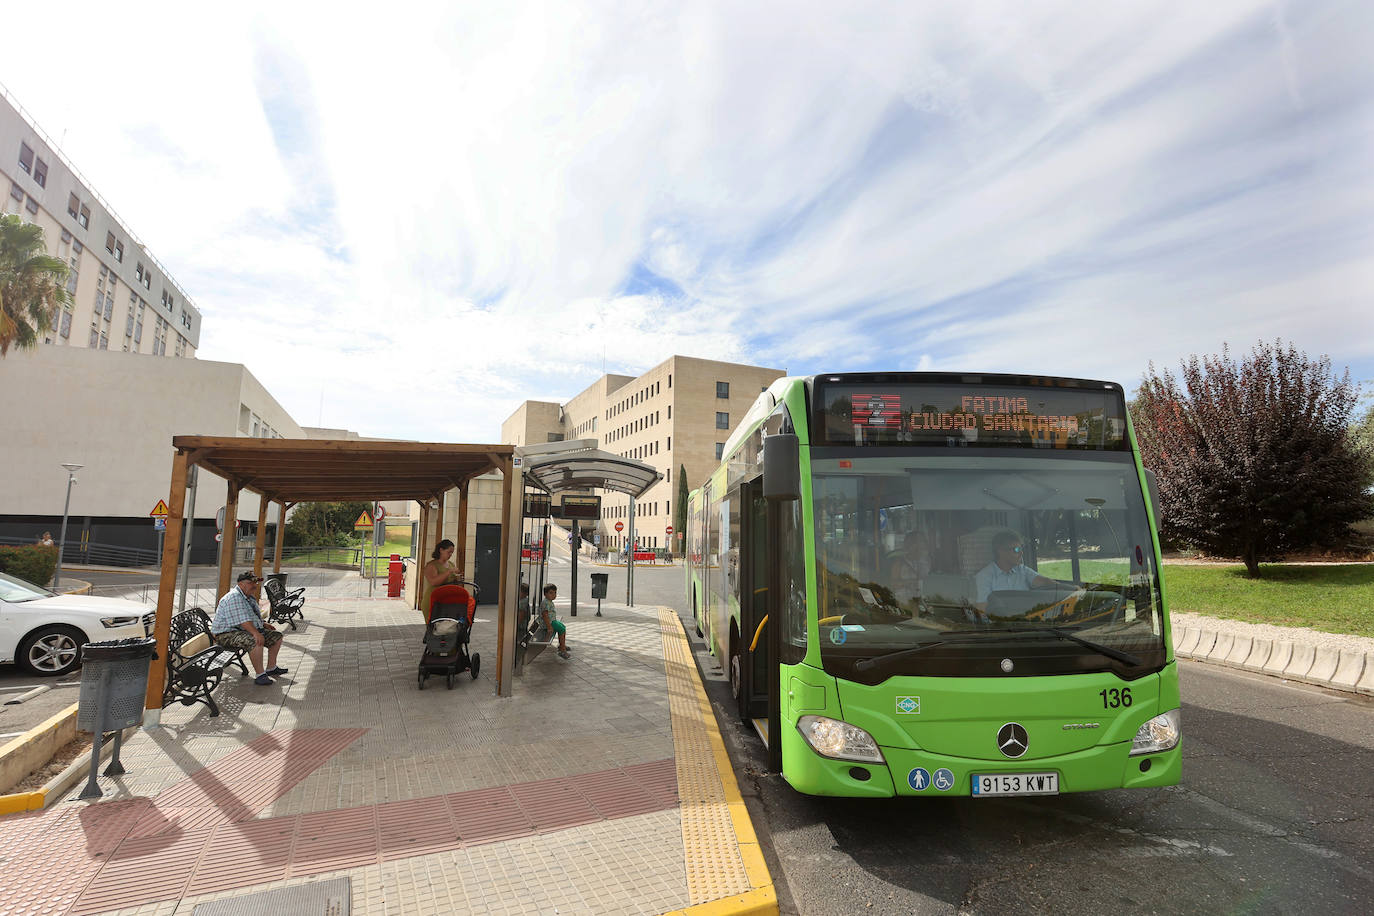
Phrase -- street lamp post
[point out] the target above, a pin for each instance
(72, 468)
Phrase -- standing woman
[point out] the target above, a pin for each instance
(438, 571)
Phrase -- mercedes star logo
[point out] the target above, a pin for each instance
(1012, 740)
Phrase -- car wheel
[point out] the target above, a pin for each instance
(51, 651)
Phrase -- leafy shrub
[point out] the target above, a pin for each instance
(31, 563)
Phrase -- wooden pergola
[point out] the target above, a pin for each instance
(291, 471)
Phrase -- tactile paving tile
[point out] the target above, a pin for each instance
(317, 898)
(715, 868)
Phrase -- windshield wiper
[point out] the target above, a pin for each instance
(1108, 651)
(868, 664)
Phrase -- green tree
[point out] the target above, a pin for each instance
(680, 510)
(323, 524)
(1362, 440)
(1254, 458)
(32, 285)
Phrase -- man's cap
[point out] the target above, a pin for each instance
(247, 576)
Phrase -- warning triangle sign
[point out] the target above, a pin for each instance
(364, 521)
(160, 510)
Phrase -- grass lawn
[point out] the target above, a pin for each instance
(1333, 599)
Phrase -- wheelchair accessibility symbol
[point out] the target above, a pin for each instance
(943, 779)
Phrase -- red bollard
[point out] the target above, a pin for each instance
(395, 577)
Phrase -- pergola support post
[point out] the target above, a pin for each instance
(226, 551)
(281, 536)
(261, 544)
(166, 587)
(461, 541)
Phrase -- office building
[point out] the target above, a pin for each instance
(123, 299)
(676, 415)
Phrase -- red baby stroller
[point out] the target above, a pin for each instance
(451, 611)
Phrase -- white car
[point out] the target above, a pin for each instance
(43, 633)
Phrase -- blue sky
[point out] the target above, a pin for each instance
(524, 193)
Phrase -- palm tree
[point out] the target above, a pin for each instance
(32, 284)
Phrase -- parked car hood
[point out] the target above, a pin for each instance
(85, 604)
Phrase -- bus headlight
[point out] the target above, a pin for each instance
(839, 740)
(1161, 733)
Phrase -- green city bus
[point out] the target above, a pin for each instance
(932, 584)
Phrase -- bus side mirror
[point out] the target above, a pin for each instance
(1153, 484)
(781, 468)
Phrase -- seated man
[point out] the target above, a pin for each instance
(238, 624)
(1006, 572)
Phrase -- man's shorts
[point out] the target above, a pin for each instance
(242, 639)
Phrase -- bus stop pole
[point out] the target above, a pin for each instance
(630, 553)
(574, 539)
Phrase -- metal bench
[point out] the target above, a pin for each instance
(195, 662)
(285, 606)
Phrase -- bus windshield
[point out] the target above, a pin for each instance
(969, 565)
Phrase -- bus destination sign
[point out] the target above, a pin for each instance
(994, 415)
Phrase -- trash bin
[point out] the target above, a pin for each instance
(276, 577)
(118, 697)
(395, 576)
(114, 682)
(599, 582)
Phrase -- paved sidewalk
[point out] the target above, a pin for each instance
(602, 786)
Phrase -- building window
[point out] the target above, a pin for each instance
(722, 389)
(78, 247)
(72, 275)
(31, 205)
(720, 450)
(670, 411)
(73, 206)
(670, 380)
(66, 237)
(40, 173)
(722, 420)
(84, 218)
(66, 330)
(670, 448)
(16, 192)
(129, 324)
(104, 341)
(95, 337)
(26, 158)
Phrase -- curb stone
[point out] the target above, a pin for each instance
(1341, 669)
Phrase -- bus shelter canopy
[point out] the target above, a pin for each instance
(580, 467)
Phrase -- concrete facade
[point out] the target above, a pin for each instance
(676, 415)
(116, 414)
(123, 299)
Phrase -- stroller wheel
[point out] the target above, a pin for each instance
(421, 679)
(450, 680)
(475, 664)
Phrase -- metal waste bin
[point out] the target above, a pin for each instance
(599, 584)
(279, 577)
(114, 682)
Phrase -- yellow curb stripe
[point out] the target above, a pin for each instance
(21, 801)
(726, 871)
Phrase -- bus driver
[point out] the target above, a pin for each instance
(1006, 572)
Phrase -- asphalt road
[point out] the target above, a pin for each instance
(1274, 815)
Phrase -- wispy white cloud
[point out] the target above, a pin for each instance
(505, 198)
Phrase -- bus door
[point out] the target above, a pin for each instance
(753, 604)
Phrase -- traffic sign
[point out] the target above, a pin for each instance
(381, 512)
(364, 521)
(619, 526)
(160, 510)
(668, 530)
(159, 524)
(219, 536)
(219, 519)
